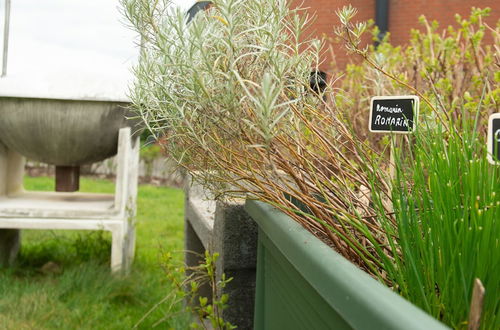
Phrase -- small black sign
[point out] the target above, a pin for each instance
(494, 139)
(397, 114)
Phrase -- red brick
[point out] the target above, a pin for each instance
(403, 16)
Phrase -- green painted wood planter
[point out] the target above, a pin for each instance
(303, 284)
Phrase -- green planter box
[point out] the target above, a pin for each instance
(303, 284)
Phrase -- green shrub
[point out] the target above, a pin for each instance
(454, 70)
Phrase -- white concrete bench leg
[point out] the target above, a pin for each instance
(10, 242)
(122, 248)
(123, 238)
(11, 181)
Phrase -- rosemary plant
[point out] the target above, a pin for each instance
(230, 92)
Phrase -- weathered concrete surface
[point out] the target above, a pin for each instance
(200, 213)
(62, 132)
(241, 291)
(37, 204)
(11, 171)
(225, 228)
(235, 238)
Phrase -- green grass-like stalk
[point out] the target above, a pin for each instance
(447, 209)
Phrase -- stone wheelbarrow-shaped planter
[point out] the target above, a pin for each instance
(304, 284)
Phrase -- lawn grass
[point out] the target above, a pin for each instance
(62, 280)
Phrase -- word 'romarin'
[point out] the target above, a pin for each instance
(393, 122)
(397, 114)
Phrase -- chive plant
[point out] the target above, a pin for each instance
(447, 207)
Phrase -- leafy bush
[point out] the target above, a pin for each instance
(188, 290)
(455, 72)
(149, 153)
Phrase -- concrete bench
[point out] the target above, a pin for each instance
(20, 209)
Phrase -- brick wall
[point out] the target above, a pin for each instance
(403, 16)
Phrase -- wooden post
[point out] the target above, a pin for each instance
(67, 178)
(476, 305)
(395, 143)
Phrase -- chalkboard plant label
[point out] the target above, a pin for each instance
(396, 114)
(494, 139)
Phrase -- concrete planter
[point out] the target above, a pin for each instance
(225, 228)
(303, 284)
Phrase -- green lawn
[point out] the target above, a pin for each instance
(62, 280)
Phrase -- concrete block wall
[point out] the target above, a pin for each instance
(225, 228)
